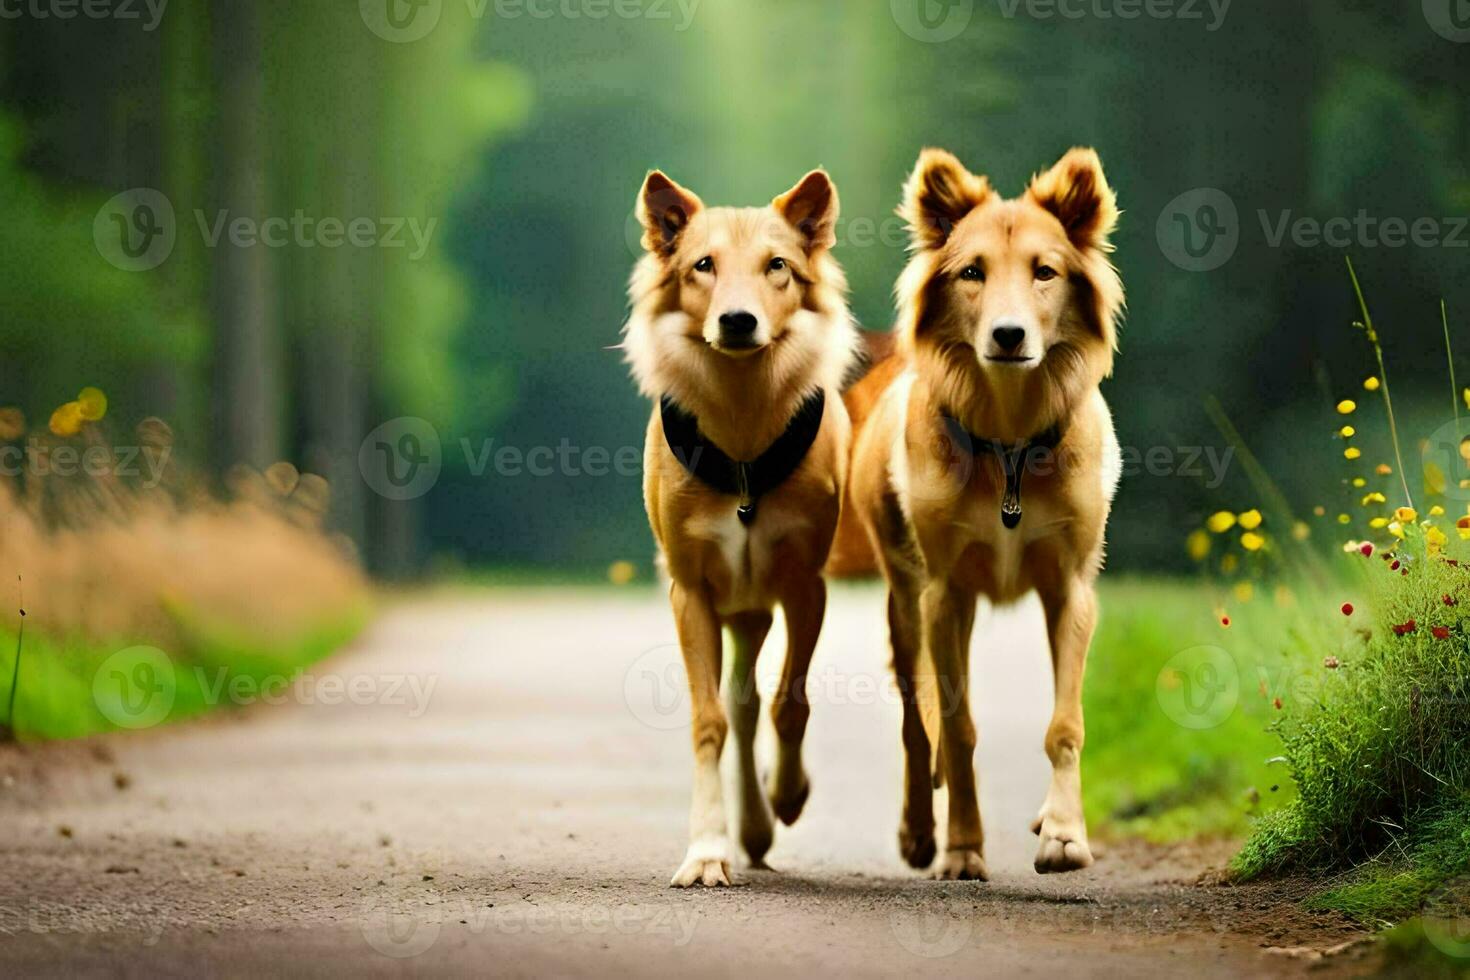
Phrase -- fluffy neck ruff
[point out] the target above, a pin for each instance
(742, 403)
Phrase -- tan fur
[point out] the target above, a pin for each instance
(931, 511)
(723, 574)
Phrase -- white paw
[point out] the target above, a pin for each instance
(707, 862)
(961, 864)
(1063, 844)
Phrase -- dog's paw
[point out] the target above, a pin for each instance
(706, 863)
(917, 848)
(788, 796)
(756, 837)
(1063, 845)
(961, 864)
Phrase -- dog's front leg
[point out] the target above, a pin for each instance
(944, 625)
(1071, 615)
(804, 604)
(707, 861)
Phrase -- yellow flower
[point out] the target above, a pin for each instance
(1220, 521)
(1434, 479)
(1406, 515)
(1244, 591)
(1346, 407)
(1370, 383)
(1436, 511)
(1251, 541)
(1347, 432)
(1383, 469)
(1466, 395)
(1300, 531)
(1198, 544)
(1465, 449)
(93, 403)
(1378, 522)
(1250, 520)
(1351, 452)
(1436, 538)
(1396, 529)
(1320, 511)
(621, 572)
(1359, 482)
(67, 420)
(1374, 498)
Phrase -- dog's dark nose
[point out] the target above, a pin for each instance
(1008, 338)
(737, 323)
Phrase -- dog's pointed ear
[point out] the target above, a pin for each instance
(938, 193)
(1076, 191)
(664, 210)
(811, 208)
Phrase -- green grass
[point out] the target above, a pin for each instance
(1381, 755)
(1167, 763)
(69, 688)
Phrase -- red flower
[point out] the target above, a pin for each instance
(1440, 632)
(1367, 548)
(1395, 565)
(1447, 599)
(1225, 621)
(1277, 703)
(1403, 628)
(1347, 608)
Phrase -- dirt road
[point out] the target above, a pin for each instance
(498, 784)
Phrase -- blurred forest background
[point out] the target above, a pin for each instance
(524, 138)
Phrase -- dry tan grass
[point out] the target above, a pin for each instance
(109, 557)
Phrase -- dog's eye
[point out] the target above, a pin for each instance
(706, 264)
(776, 264)
(1045, 273)
(972, 273)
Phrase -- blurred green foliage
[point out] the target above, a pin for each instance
(524, 137)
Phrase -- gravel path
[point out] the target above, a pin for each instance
(497, 783)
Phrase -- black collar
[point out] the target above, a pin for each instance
(747, 480)
(1015, 458)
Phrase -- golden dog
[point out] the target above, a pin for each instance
(741, 335)
(1007, 325)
